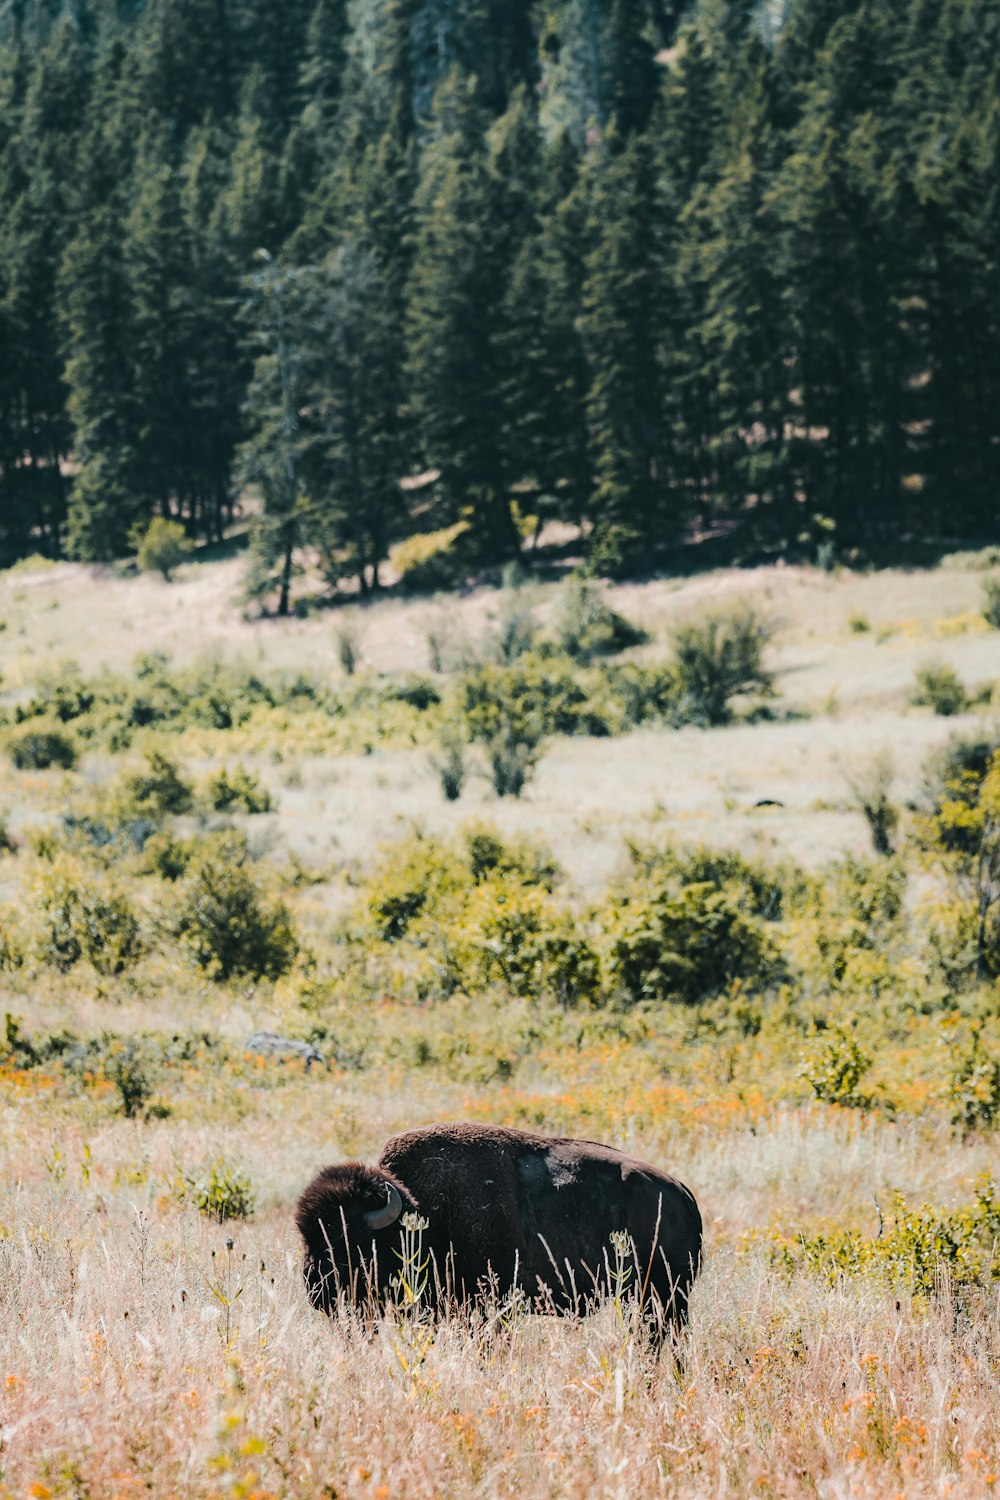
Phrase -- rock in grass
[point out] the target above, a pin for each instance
(270, 1044)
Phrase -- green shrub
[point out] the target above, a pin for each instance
(348, 639)
(237, 790)
(523, 860)
(227, 925)
(449, 763)
(434, 560)
(951, 931)
(63, 697)
(127, 1066)
(109, 932)
(870, 786)
(425, 878)
(162, 546)
(757, 888)
(585, 627)
(156, 792)
(515, 632)
(417, 691)
(991, 602)
(952, 783)
(964, 834)
(410, 876)
(167, 857)
(918, 1250)
(221, 1191)
(78, 920)
(8, 844)
(975, 1090)
(532, 698)
(938, 686)
(659, 943)
(856, 907)
(513, 754)
(718, 657)
(616, 551)
(835, 1069)
(514, 935)
(212, 694)
(11, 947)
(39, 749)
(858, 624)
(644, 693)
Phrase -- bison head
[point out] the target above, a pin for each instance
(348, 1217)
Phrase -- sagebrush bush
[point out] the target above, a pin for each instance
(585, 626)
(127, 1065)
(658, 943)
(221, 1191)
(921, 1250)
(870, 786)
(407, 878)
(78, 919)
(40, 749)
(754, 886)
(513, 754)
(718, 657)
(939, 687)
(348, 641)
(449, 764)
(515, 632)
(835, 1068)
(162, 546)
(433, 560)
(963, 833)
(228, 925)
(527, 700)
(952, 781)
(239, 791)
(642, 694)
(974, 1090)
(991, 602)
(515, 935)
(154, 792)
(212, 694)
(523, 859)
(855, 909)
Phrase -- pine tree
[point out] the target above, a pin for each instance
(33, 430)
(600, 67)
(270, 458)
(165, 334)
(97, 315)
(219, 364)
(631, 507)
(742, 337)
(456, 290)
(351, 459)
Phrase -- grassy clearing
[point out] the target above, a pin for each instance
(435, 990)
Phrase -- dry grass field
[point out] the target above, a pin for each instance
(149, 1348)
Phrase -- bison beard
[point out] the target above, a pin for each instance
(506, 1210)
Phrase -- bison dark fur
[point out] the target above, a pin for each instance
(505, 1210)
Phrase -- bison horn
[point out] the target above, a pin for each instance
(381, 1218)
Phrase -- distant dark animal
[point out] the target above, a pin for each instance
(506, 1210)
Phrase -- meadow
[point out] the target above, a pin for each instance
(679, 938)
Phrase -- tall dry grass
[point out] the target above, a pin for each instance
(139, 1355)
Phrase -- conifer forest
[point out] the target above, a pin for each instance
(499, 630)
(660, 270)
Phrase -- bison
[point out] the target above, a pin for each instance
(506, 1210)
